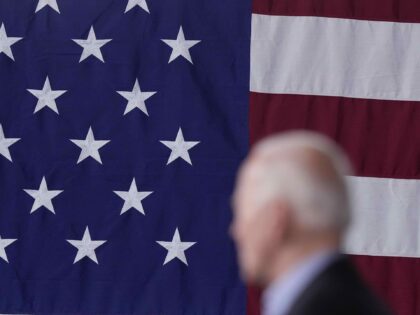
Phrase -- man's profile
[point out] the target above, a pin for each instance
(291, 210)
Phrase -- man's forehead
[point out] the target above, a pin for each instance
(244, 180)
(248, 171)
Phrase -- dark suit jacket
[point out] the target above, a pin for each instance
(338, 290)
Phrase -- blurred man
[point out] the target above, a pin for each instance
(291, 211)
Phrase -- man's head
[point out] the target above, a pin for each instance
(290, 200)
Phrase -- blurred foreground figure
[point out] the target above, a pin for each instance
(291, 211)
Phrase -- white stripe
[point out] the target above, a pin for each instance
(335, 57)
(386, 217)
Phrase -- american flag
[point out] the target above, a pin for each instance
(123, 124)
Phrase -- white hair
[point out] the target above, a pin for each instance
(318, 196)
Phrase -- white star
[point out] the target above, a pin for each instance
(180, 148)
(46, 97)
(91, 46)
(136, 98)
(90, 147)
(43, 197)
(86, 247)
(180, 46)
(176, 248)
(141, 3)
(7, 42)
(5, 143)
(3, 244)
(133, 198)
(51, 3)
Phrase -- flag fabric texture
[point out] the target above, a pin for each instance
(123, 123)
(122, 126)
(350, 70)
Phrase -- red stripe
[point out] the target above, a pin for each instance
(396, 280)
(382, 139)
(383, 10)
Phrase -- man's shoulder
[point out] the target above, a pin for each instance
(338, 290)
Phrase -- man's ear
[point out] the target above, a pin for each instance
(279, 219)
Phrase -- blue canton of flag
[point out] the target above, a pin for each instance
(122, 124)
